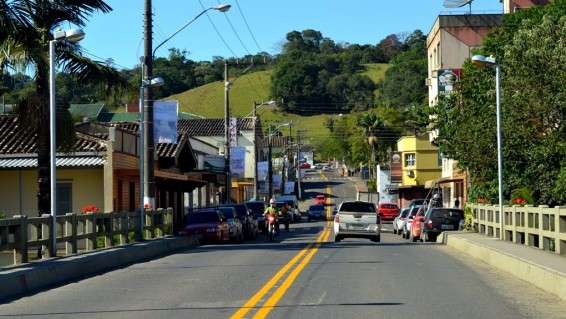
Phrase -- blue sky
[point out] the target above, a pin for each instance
(118, 35)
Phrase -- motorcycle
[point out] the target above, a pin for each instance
(271, 231)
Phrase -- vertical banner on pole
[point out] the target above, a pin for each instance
(237, 161)
(165, 121)
(233, 132)
(262, 168)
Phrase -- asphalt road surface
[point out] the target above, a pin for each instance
(304, 275)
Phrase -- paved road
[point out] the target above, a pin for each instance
(303, 276)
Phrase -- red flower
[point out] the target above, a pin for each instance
(90, 208)
(519, 201)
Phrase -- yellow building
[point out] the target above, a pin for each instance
(420, 163)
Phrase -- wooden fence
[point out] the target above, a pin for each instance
(79, 232)
(536, 226)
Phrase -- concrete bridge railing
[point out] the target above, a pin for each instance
(29, 237)
(536, 226)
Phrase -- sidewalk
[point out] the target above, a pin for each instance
(541, 268)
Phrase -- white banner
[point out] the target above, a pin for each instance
(233, 132)
(237, 161)
(165, 121)
(262, 168)
(289, 187)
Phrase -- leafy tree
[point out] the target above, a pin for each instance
(530, 47)
(25, 30)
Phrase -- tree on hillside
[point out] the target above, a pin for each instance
(25, 30)
(403, 84)
(530, 47)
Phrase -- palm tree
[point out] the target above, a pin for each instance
(26, 27)
(371, 123)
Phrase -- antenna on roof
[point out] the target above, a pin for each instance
(458, 4)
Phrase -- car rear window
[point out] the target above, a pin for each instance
(256, 207)
(404, 212)
(227, 211)
(389, 206)
(357, 207)
(202, 217)
(414, 211)
(447, 213)
(316, 207)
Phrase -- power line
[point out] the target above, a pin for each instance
(217, 31)
(247, 25)
(235, 32)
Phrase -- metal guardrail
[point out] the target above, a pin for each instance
(536, 226)
(88, 232)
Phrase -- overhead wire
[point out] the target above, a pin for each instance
(217, 31)
(247, 25)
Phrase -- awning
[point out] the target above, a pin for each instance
(86, 161)
(443, 180)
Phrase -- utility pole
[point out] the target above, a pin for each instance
(298, 166)
(270, 167)
(256, 157)
(148, 150)
(227, 133)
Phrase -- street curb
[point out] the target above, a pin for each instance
(545, 278)
(30, 278)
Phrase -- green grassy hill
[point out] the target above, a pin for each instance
(208, 100)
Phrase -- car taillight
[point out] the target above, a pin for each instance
(429, 224)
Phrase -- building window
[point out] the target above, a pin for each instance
(410, 159)
(64, 198)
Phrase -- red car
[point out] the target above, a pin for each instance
(208, 225)
(388, 211)
(320, 199)
(305, 165)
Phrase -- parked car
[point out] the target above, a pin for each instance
(388, 211)
(357, 219)
(326, 168)
(399, 220)
(316, 212)
(208, 224)
(320, 199)
(305, 165)
(236, 227)
(408, 222)
(293, 206)
(437, 220)
(257, 208)
(248, 220)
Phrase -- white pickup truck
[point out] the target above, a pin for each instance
(357, 219)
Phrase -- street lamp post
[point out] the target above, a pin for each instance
(157, 81)
(256, 155)
(490, 61)
(270, 160)
(73, 35)
(148, 147)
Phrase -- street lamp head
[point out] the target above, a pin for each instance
(73, 35)
(483, 61)
(156, 81)
(222, 7)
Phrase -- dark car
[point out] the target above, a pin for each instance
(208, 224)
(316, 212)
(257, 208)
(416, 202)
(248, 220)
(236, 227)
(437, 220)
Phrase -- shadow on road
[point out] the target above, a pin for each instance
(110, 311)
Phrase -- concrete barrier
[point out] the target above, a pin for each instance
(37, 276)
(543, 277)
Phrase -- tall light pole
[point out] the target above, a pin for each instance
(73, 35)
(228, 190)
(270, 159)
(157, 81)
(483, 61)
(148, 149)
(256, 155)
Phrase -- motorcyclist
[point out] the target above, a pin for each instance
(271, 211)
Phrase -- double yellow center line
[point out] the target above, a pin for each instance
(302, 258)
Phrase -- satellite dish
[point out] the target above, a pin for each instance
(458, 4)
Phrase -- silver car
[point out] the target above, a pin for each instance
(400, 220)
(357, 219)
